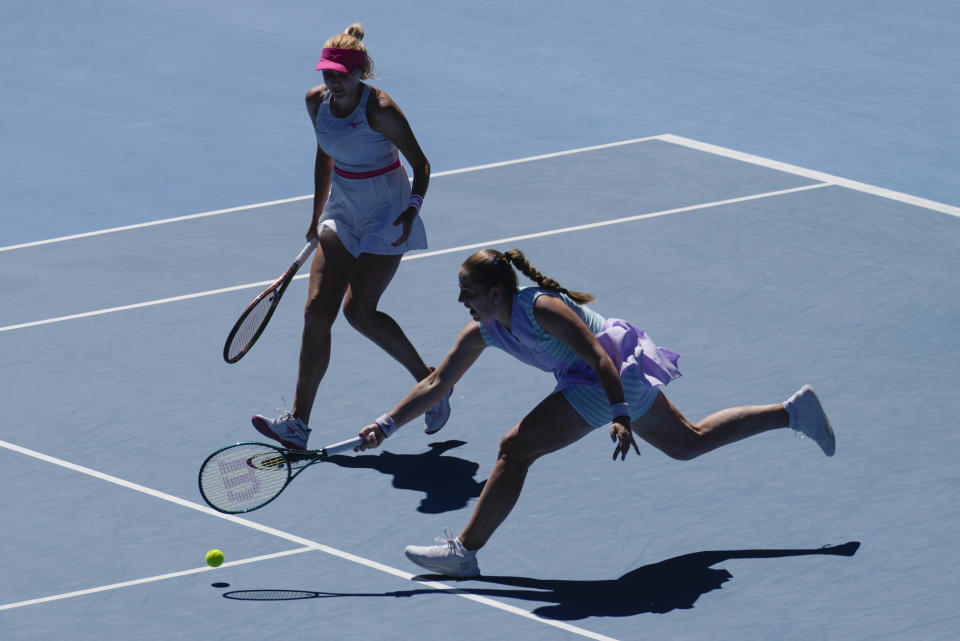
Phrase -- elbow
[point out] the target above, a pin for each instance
(423, 169)
(602, 363)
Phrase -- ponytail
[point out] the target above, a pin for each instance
(489, 268)
(516, 257)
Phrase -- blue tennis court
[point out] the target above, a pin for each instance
(764, 271)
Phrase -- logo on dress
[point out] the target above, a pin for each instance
(355, 124)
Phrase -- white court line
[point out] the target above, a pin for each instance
(670, 138)
(428, 254)
(150, 303)
(812, 174)
(153, 223)
(294, 199)
(613, 221)
(306, 544)
(151, 579)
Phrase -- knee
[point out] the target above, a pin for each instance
(686, 448)
(358, 316)
(683, 443)
(682, 453)
(514, 453)
(317, 316)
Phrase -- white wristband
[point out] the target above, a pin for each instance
(387, 425)
(416, 201)
(619, 409)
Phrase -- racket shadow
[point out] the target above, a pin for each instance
(673, 584)
(447, 481)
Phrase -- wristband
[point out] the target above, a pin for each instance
(416, 201)
(619, 409)
(387, 425)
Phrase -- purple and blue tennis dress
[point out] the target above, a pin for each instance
(370, 187)
(643, 366)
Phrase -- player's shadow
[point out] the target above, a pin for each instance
(447, 481)
(673, 584)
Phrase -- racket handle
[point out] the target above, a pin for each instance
(306, 251)
(343, 446)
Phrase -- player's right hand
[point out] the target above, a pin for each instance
(312, 231)
(372, 437)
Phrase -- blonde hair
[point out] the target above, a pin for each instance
(489, 268)
(351, 39)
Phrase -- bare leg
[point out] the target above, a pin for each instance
(551, 426)
(369, 280)
(668, 430)
(329, 275)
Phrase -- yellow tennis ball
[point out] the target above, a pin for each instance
(214, 558)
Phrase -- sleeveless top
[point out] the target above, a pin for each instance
(633, 353)
(350, 141)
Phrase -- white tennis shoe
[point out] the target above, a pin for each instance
(438, 415)
(449, 558)
(289, 430)
(808, 419)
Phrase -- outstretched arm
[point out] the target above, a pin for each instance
(430, 390)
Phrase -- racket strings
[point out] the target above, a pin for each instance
(251, 325)
(243, 477)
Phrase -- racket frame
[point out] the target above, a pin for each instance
(296, 462)
(278, 287)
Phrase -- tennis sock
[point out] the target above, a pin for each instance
(791, 411)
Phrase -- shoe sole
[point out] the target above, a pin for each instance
(831, 447)
(440, 570)
(445, 572)
(446, 402)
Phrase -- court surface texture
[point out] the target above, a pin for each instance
(769, 192)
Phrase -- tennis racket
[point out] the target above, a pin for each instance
(255, 317)
(245, 476)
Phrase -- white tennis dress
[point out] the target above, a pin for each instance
(370, 187)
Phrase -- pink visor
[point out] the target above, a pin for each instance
(342, 60)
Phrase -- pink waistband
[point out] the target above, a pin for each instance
(367, 174)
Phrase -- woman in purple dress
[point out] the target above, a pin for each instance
(608, 373)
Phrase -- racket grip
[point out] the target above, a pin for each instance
(306, 251)
(343, 446)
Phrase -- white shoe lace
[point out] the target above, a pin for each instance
(293, 425)
(450, 541)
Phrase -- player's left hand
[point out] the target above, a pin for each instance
(621, 434)
(406, 220)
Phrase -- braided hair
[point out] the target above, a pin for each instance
(489, 268)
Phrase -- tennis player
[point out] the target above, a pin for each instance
(366, 216)
(608, 373)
